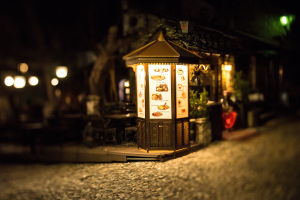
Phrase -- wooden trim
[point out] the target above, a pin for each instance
(173, 94)
(161, 148)
(147, 109)
(136, 60)
(139, 49)
(173, 49)
(184, 49)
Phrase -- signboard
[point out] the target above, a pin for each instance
(182, 103)
(160, 91)
(141, 82)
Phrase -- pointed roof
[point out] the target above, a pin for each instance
(161, 51)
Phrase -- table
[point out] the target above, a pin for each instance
(71, 116)
(31, 129)
(120, 118)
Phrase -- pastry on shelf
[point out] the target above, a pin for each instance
(179, 71)
(163, 107)
(156, 96)
(158, 77)
(183, 95)
(162, 87)
(157, 114)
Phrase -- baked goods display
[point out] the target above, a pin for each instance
(140, 94)
(182, 79)
(161, 70)
(179, 71)
(162, 87)
(159, 91)
(163, 107)
(179, 86)
(158, 77)
(156, 96)
(183, 95)
(179, 103)
(140, 109)
(182, 92)
(157, 114)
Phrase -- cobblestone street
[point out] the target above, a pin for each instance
(263, 167)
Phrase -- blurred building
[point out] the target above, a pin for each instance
(248, 35)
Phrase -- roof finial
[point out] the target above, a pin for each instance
(161, 37)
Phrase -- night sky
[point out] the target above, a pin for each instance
(75, 18)
(78, 25)
(78, 21)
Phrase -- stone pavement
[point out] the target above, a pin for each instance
(263, 167)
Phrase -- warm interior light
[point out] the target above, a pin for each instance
(126, 84)
(9, 81)
(19, 82)
(23, 67)
(33, 80)
(57, 93)
(127, 90)
(54, 81)
(68, 100)
(280, 71)
(61, 71)
(228, 68)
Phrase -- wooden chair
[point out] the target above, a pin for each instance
(130, 130)
(97, 132)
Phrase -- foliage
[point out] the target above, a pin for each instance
(241, 86)
(196, 74)
(198, 104)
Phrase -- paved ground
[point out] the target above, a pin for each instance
(264, 167)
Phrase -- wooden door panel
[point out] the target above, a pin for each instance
(154, 134)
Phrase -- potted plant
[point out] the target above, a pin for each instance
(199, 115)
(241, 87)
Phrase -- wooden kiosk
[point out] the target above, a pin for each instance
(162, 80)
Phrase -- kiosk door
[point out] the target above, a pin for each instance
(160, 134)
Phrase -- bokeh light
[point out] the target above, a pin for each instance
(33, 80)
(19, 82)
(23, 67)
(283, 20)
(228, 68)
(9, 81)
(61, 71)
(57, 93)
(126, 84)
(54, 81)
